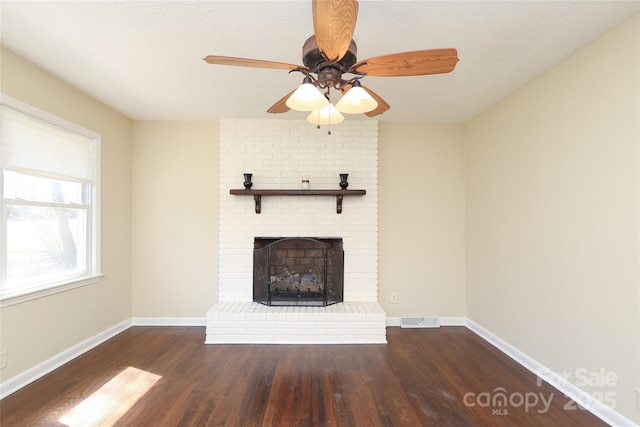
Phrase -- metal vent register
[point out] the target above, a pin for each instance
(419, 322)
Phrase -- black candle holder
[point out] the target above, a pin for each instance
(343, 180)
(247, 181)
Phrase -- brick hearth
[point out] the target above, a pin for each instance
(253, 323)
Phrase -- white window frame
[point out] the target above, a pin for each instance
(93, 273)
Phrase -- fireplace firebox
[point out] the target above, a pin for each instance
(298, 271)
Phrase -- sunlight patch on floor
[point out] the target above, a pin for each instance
(107, 404)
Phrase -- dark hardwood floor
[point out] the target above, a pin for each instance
(422, 377)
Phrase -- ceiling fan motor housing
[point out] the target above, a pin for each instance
(315, 60)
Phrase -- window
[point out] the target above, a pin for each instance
(49, 179)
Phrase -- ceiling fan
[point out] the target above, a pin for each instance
(331, 53)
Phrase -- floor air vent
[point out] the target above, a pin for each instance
(419, 322)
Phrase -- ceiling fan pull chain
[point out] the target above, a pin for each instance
(329, 96)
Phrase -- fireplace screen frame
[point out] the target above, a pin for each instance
(298, 271)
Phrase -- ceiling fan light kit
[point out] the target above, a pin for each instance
(330, 54)
(307, 97)
(328, 115)
(356, 101)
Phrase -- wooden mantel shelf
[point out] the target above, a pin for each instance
(257, 195)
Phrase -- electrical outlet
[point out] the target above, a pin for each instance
(394, 297)
(3, 359)
(638, 399)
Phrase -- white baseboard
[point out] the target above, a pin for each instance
(597, 408)
(453, 321)
(169, 321)
(393, 322)
(30, 375)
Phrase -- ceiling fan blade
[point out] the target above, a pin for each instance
(416, 63)
(281, 106)
(334, 22)
(382, 104)
(255, 63)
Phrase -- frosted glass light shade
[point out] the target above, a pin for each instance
(307, 98)
(325, 116)
(356, 101)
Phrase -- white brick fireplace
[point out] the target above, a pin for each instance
(279, 154)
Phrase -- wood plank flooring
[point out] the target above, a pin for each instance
(423, 377)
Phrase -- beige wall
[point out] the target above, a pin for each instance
(35, 331)
(421, 180)
(552, 216)
(175, 218)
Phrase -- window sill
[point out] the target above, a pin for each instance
(28, 295)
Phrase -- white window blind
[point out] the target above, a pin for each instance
(49, 203)
(33, 146)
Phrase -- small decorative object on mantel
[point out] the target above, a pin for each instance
(305, 184)
(343, 180)
(247, 181)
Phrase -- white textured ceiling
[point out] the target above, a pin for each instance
(144, 59)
